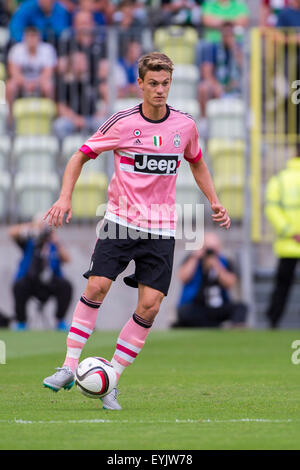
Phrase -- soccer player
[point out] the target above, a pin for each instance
(149, 141)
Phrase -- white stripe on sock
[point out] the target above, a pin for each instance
(128, 345)
(78, 338)
(83, 328)
(124, 356)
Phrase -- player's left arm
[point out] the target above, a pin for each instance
(204, 181)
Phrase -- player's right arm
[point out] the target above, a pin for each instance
(107, 137)
(63, 205)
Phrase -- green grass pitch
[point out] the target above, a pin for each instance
(188, 389)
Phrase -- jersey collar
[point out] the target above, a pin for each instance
(151, 120)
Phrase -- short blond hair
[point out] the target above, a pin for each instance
(154, 61)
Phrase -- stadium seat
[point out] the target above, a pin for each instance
(188, 197)
(89, 193)
(185, 176)
(33, 116)
(177, 42)
(4, 37)
(32, 153)
(3, 117)
(187, 106)
(226, 118)
(231, 195)
(5, 184)
(5, 146)
(125, 103)
(226, 149)
(2, 71)
(228, 166)
(35, 192)
(72, 143)
(187, 191)
(184, 82)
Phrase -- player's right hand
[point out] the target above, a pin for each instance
(57, 212)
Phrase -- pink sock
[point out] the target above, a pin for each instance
(83, 324)
(130, 342)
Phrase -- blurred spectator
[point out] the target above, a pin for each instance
(39, 274)
(221, 68)
(48, 16)
(289, 17)
(283, 212)
(122, 76)
(207, 277)
(181, 12)
(4, 320)
(102, 10)
(31, 65)
(217, 12)
(82, 37)
(70, 5)
(129, 66)
(110, 75)
(130, 23)
(269, 10)
(76, 99)
(4, 12)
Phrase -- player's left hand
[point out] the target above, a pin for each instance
(220, 215)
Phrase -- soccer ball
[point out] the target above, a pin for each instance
(95, 377)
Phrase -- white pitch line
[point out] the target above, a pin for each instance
(125, 421)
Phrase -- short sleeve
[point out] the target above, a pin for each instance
(193, 151)
(243, 9)
(15, 54)
(208, 8)
(107, 137)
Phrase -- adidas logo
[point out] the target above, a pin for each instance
(137, 142)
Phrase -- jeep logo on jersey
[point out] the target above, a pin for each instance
(156, 164)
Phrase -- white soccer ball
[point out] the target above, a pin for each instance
(95, 377)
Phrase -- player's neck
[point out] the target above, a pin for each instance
(153, 112)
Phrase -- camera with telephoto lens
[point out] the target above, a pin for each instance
(43, 236)
(209, 252)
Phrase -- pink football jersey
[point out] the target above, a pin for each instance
(147, 156)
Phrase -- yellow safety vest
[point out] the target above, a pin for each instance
(283, 209)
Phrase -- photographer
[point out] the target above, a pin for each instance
(39, 273)
(207, 278)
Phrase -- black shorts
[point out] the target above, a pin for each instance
(153, 257)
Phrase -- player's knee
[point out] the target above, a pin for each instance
(96, 289)
(149, 310)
